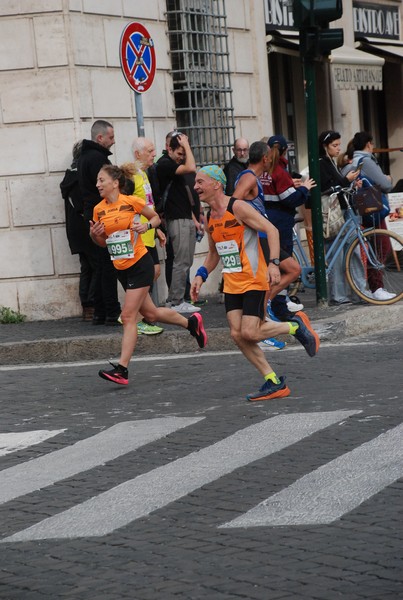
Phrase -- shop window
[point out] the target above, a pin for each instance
(201, 76)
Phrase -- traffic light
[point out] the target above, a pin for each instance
(320, 42)
(316, 13)
(312, 17)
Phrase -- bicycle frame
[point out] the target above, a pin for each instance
(352, 226)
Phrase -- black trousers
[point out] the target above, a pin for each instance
(106, 303)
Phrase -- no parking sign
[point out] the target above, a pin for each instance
(137, 57)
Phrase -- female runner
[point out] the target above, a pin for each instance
(116, 224)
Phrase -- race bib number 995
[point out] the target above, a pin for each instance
(229, 254)
(119, 245)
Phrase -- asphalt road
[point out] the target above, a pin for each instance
(176, 488)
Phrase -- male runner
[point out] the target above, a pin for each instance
(249, 187)
(233, 227)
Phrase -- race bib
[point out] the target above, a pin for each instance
(229, 254)
(149, 194)
(119, 245)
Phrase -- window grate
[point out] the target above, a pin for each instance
(201, 75)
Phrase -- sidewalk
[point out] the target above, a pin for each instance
(71, 339)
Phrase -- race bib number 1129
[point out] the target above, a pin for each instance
(230, 258)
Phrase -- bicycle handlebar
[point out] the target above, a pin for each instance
(335, 189)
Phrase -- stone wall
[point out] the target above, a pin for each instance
(59, 71)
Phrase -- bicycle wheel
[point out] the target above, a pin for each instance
(376, 263)
(297, 285)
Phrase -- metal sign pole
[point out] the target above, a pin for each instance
(139, 114)
(314, 172)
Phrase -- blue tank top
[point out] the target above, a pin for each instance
(258, 201)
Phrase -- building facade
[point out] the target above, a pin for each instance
(225, 69)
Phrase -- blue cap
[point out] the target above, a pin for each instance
(278, 139)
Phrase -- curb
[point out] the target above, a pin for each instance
(82, 348)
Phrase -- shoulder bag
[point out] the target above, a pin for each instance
(368, 198)
(332, 215)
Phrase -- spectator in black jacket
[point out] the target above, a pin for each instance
(77, 234)
(94, 155)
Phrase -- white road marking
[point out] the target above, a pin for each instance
(334, 489)
(86, 454)
(11, 442)
(153, 490)
(165, 357)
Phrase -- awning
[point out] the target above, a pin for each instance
(283, 44)
(355, 70)
(351, 69)
(391, 52)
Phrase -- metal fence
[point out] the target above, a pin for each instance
(201, 76)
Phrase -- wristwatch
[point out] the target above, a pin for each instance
(275, 261)
(149, 226)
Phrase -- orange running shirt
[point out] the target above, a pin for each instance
(244, 265)
(118, 217)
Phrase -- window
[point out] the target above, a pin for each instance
(201, 76)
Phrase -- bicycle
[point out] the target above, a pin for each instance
(369, 255)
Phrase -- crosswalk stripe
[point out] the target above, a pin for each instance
(86, 454)
(153, 490)
(334, 489)
(11, 442)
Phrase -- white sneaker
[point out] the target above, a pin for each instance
(382, 294)
(294, 306)
(185, 307)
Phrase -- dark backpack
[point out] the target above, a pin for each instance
(70, 190)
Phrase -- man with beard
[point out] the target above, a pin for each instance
(238, 163)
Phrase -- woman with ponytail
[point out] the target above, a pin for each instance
(116, 225)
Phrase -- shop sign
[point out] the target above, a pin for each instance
(376, 20)
(356, 77)
(278, 15)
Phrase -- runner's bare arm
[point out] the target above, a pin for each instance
(152, 217)
(210, 262)
(249, 216)
(97, 233)
(246, 188)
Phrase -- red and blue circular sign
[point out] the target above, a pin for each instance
(137, 57)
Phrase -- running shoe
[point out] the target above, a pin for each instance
(272, 343)
(200, 302)
(270, 312)
(118, 374)
(294, 306)
(305, 334)
(196, 329)
(185, 307)
(148, 329)
(270, 390)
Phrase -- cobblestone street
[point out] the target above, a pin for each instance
(168, 465)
